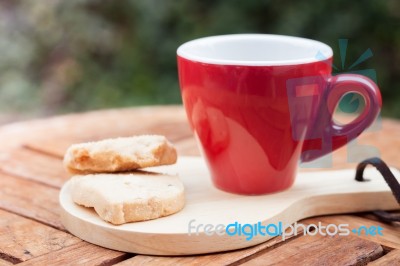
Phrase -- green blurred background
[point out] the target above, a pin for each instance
(70, 55)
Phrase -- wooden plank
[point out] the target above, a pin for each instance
(81, 253)
(5, 262)
(390, 259)
(34, 166)
(76, 126)
(222, 258)
(56, 147)
(391, 233)
(168, 121)
(30, 199)
(52, 147)
(321, 250)
(187, 147)
(22, 239)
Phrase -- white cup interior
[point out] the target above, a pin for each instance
(254, 50)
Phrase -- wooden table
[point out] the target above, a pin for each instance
(31, 175)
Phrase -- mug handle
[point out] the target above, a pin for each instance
(333, 135)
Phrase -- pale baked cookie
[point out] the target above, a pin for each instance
(120, 154)
(123, 198)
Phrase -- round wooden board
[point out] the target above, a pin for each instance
(313, 194)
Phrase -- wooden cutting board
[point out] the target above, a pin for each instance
(313, 194)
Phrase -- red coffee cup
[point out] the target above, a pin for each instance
(259, 104)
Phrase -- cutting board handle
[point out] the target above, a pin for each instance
(390, 179)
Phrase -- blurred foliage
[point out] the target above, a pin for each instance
(60, 56)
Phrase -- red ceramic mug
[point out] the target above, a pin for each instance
(259, 104)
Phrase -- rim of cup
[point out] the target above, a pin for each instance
(255, 50)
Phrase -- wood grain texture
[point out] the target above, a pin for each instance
(79, 254)
(391, 232)
(5, 262)
(54, 135)
(22, 239)
(34, 166)
(390, 259)
(30, 199)
(221, 258)
(174, 131)
(318, 250)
